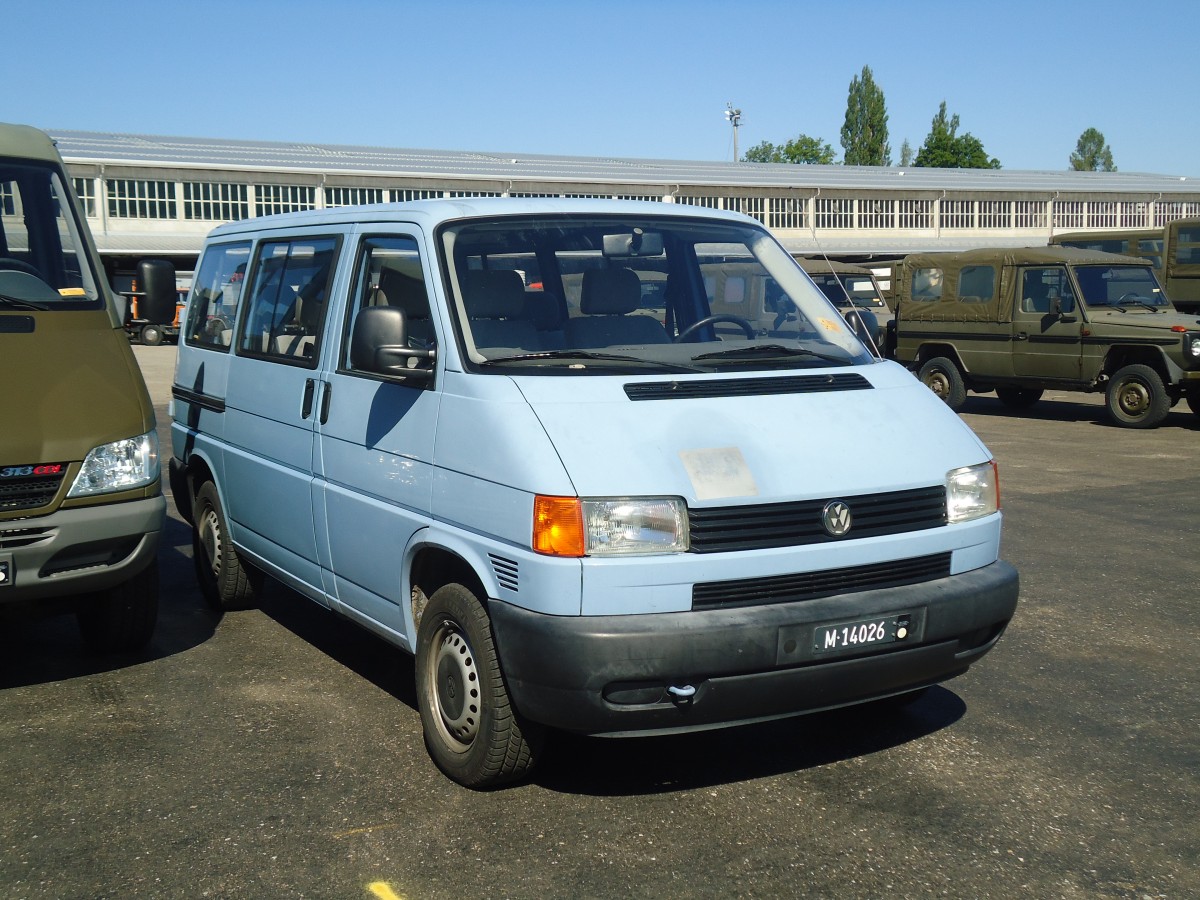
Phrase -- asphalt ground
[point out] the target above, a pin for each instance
(277, 753)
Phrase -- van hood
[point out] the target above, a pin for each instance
(1140, 317)
(70, 384)
(779, 440)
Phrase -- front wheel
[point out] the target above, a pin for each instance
(942, 377)
(1136, 397)
(121, 619)
(471, 730)
(151, 335)
(1193, 402)
(226, 582)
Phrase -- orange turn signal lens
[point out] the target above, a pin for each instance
(558, 526)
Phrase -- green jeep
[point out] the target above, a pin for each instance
(1019, 321)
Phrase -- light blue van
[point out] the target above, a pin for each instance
(510, 437)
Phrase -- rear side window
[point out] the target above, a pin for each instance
(976, 284)
(288, 297)
(926, 285)
(216, 293)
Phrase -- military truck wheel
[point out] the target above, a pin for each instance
(1018, 398)
(121, 619)
(471, 730)
(1136, 397)
(151, 335)
(226, 582)
(1193, 402)
(942, 377)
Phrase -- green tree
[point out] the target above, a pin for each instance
(800, 149)
(865, 133)
(1092, 154)
(945, 148)
(906, 153)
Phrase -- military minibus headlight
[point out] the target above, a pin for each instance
(972, 493)
(610, 526)
(1191, 345)
(119, 466)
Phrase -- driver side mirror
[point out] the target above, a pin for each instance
(379, 345)
(1056, 309)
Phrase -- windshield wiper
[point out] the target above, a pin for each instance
(760, 351)
(17, 303)
(592, 356)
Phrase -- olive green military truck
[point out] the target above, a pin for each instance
(81, 504)
(1021, 321)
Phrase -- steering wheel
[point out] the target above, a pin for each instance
(743, 324)
(7, 262)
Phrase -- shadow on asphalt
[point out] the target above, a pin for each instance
(50, 649)
(1056, 410)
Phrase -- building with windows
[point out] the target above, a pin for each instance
(158, 196)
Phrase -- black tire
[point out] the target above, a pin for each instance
(151, 335)
(1018, 398)
(942, 377)
(472, 732)
(1136, 397)
(121, 619)
(226, 581)
(1193, 402)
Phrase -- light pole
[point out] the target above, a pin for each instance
(734, 117)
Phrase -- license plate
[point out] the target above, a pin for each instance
(861, 633)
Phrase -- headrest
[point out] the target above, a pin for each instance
(610, 292)
(493, 293)
(405, 292)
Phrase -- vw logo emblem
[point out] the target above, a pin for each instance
(836, 518)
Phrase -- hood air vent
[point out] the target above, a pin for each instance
(746, 387)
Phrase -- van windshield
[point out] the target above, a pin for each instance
(583, 293)
(43, 259)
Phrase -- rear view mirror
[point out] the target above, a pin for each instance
(634, 243)
(379, 344)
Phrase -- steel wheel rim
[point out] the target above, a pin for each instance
(210, 539)
(1133, 398)
(939, 384)
(455, 686)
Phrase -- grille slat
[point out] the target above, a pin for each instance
(723, 529)
(29, 491)
(814, 585)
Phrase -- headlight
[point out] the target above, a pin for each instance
(612, 526)
(972, 493)
(119, 466)
(1191, 345)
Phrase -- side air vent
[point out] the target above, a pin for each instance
(746, 387)
(505, 571)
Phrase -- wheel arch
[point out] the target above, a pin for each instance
(435, 559)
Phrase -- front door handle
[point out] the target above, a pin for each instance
(1021, 336)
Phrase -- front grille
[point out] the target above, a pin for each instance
(757, 527)
(32, 491)
(813, 585)
(746, 387)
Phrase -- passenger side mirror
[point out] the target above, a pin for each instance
(379, 345)
(864, 324)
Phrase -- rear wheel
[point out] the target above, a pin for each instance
(226, 582)
(122, 618)
(1018, 398)
(1136, 397)
(1193, 402)
(471, 730)
(151, 335)
(942, 377)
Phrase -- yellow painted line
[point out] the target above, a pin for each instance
(383, 891)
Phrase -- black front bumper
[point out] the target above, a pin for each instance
(615, 674)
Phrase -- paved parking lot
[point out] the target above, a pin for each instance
(277, 752)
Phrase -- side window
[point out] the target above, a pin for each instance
(926, 285)
(216, 292)
(976, 284)
(390, 274)
(288, 299)
(1040, 286)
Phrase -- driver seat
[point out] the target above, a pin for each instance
(607, 297)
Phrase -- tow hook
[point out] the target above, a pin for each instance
(682, 694)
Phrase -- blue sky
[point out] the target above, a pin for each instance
(615, 78)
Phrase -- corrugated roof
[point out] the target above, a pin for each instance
(216, 153)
